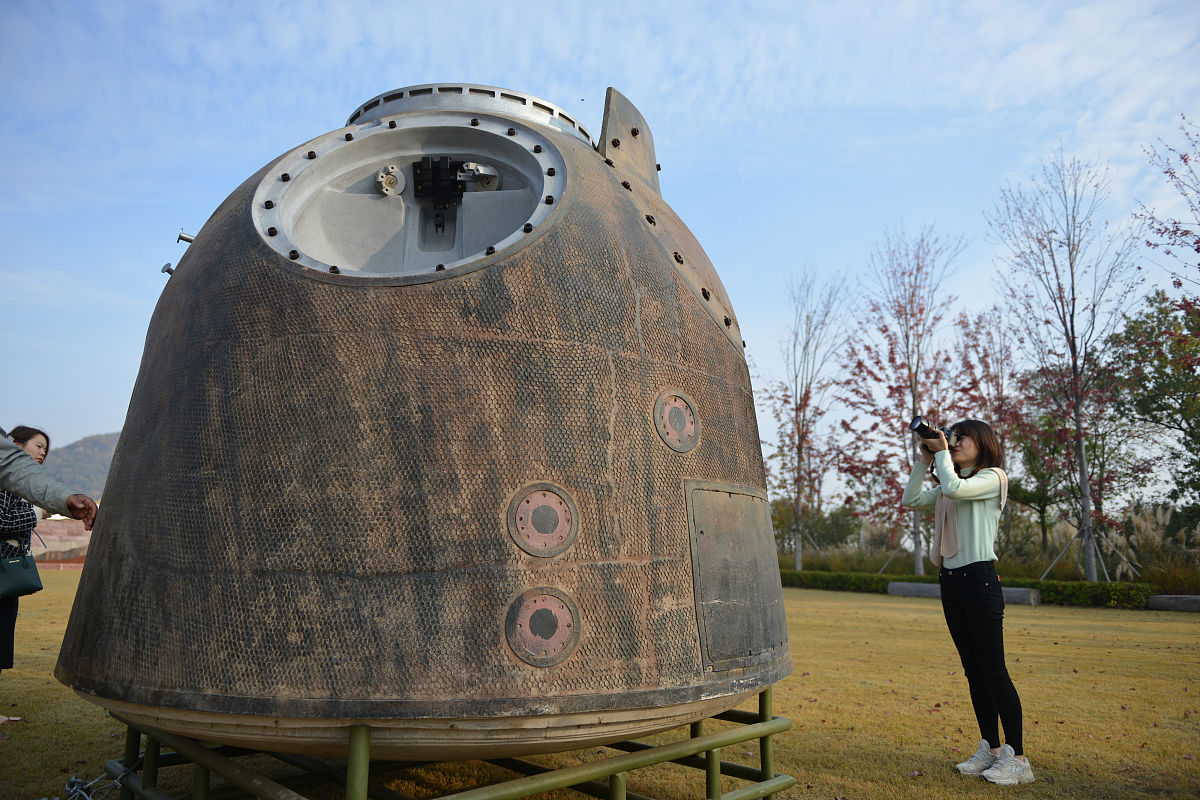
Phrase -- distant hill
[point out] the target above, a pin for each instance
(84, 464)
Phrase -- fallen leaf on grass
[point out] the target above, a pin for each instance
(916, 773)
(1048, 779)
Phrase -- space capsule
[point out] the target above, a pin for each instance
(443, 425)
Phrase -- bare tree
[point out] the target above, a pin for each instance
(1068, 278)
(813, 339)
(895, 368)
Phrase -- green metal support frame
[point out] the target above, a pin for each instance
(138, 771)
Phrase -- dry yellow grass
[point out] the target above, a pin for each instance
(877, 698)
(1110, 700)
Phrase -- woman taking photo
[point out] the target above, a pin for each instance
(971, 491)
(17, 521)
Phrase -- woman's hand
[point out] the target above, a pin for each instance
(82, 507)
(928, 447)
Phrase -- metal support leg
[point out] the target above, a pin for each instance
(133, 746)
(1061, 553)
(766, 745)
(358, 765)
(199, 782)
(616, 787)
(150, 764)
(712, 774)
(696, 730)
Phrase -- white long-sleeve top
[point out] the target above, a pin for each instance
(978, 502)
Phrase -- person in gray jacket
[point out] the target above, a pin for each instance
(22, 476)
(26, 478)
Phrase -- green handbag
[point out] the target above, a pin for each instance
(19, 576)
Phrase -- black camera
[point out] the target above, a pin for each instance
(926, 431)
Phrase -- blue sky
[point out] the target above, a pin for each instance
(791, 134)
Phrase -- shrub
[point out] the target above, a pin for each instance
(835, 581)
(1174, 574)
(1121, 594)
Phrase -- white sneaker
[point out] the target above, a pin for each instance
(976, 764)
(1008, 769)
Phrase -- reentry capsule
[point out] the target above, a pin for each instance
(443, 425)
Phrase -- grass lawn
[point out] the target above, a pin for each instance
(880, 708)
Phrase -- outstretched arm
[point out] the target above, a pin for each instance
(981, 486)
(913, 496)
(27, 479)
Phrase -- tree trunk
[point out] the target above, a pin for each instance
(918, 559)
(1085, 500)
(1045, 531)
(797, 545)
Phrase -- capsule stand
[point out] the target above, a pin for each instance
(626, 140)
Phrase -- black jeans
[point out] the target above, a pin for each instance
(974, 606)
(8, 627)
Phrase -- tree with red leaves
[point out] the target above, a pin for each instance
(895, 370)
(1068, 278)
(1115, 457)
(1157, 355)
(1039, 443)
